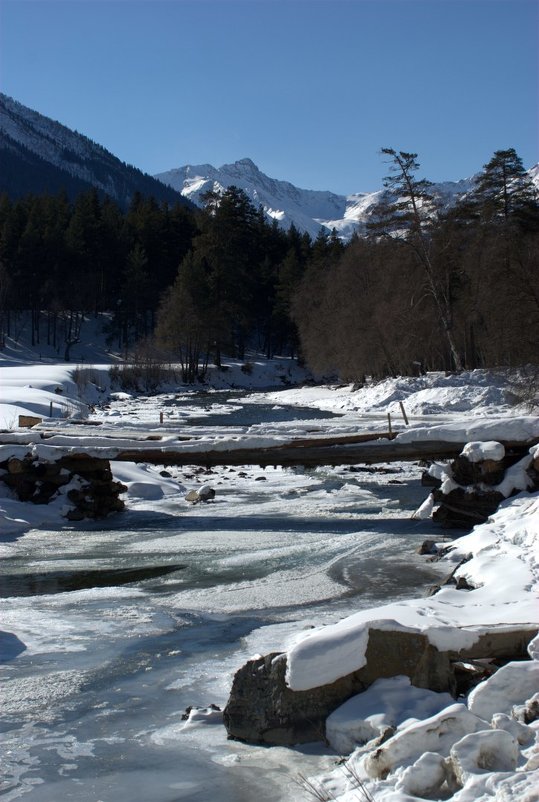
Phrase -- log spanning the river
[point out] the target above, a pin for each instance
(366, 449)
(308, 456)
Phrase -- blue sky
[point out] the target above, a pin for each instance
(308, 89)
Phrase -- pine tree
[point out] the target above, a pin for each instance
(227, 251)
(408, 205)
(407, 215)
(504, 191)
(185, 321)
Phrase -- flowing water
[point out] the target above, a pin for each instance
(111, 630)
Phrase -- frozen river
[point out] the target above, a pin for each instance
(95, 679)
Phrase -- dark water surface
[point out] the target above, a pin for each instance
(240, 411)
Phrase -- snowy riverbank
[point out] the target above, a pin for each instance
(481, 748)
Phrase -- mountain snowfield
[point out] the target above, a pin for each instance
(306, 209)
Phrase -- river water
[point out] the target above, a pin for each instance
(98, 667)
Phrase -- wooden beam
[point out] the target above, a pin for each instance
(308, 455)
(363, 449)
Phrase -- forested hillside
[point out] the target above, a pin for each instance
(39, 155)
(219, 278)
(424, 289)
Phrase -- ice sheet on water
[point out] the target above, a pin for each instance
(39, 695)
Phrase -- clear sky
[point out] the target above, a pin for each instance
(308, 89)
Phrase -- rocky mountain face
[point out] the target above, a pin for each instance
(309, 210)
(39, 155)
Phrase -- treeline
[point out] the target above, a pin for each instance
(59, 258)
(213, 279)
(425, 289)
(235, 287)
(430, 289)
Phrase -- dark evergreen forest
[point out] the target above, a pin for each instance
(425, 289)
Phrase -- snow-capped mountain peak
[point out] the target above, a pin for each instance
(308, 210)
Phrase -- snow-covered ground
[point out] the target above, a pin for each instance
(485, 746)
(481, 747)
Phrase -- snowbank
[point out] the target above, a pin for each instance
(407, 744)
(472, 393)
(463, 752)
(504, 570)
(45, 391)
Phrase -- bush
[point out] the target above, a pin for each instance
(142, 378)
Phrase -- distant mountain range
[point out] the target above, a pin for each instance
(38, 155)
(307, 209)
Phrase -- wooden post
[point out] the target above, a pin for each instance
(389, 425)
(404, 415)
(50, 410)
(160, 417)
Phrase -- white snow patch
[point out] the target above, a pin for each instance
(480, 451)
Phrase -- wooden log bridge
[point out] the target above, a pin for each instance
(307, 454)
(366, 449)
(38, 466)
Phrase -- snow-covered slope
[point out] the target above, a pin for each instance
(307, 209)
(40, 155)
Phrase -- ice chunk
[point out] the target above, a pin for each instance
(524, 735)
(481, 752)
(437, 733)
(423, 778)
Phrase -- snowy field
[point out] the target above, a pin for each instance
(96, 678)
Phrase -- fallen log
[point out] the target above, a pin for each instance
(290, 454)
(363, 449)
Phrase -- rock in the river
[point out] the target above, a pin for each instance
(263, 709)
(204, 493)
(463, 507)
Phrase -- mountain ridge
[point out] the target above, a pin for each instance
(309, 210)
(38, 154)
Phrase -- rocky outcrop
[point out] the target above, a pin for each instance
(263, 709)
(462, 508)
(468, 490)
(88, 484)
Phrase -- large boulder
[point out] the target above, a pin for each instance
(263, 709)
(204, 493)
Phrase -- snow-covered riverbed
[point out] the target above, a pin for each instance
(94, 695)
(95, 680)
